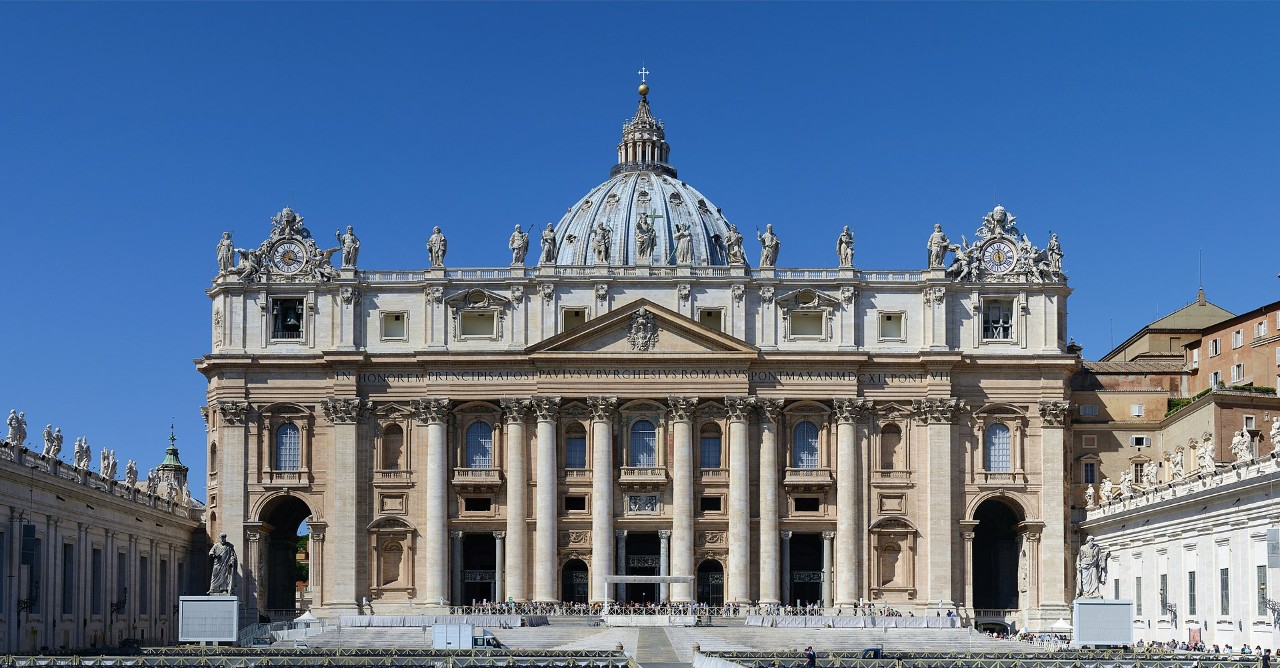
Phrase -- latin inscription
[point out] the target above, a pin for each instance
(481, 376)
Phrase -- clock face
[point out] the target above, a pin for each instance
(288, 256)
(998, 257)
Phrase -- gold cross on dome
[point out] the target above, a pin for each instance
(643, 73)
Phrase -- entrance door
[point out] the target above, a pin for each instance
(806, 569)
(711, 583)
(642, 559)
(574, 582)
(479, 561)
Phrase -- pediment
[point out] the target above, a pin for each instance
(643, 328)
(807, 298)
(477, 298)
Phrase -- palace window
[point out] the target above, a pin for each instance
(997, 320)
(996, 454)
(477, 504)
(288, 447)
(286, 318)
(1137, 596)
(890, 448)
(1139, 441)
(575, 447)
(712, 318)
(69, 579)
(393, 326)
(644, 445)
(1262, 591)
(1088, 410)
(1237, 372)
(1137, 470)
(1237, 338)
(1195, 358)
(479, 446)
(1224, 587)
(573, 317)
(1260, 329)
(97, 574)
(891, 326)
(1215, 347)
(144, 585)
(1137, 410)
(807, 324)
(709, 447)
(711, 504)
(1215, 379)
(1191, 593)
(478, 324)
(1090, 473)
(804, 446)
(575, 504)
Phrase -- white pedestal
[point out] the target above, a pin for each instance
(1101, 622)
(208, 618)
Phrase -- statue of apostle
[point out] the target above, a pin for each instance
(222, 557)
(350, 247)
(939, 244)
(1091, 570)
(844, 247)
(226, 255)
(436, 247)
(519, 245)
(548, 255)
(769, 246)
(733, 246)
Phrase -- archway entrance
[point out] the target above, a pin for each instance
(806, 569)
(711, 583)
(574, 583)
(995, 556)
(284, 516)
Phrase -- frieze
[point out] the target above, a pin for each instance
(418, 376)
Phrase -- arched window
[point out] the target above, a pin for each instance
(288, 447)
(804, 446)
(709, 447)
(480, 446)
(392, 448)
(890, 440)
(575, 447)
(644, 444)
(996, 452)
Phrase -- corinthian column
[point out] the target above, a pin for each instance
(738, 577)
(346, 528)
(517, 500)
(435, 556)
(603, 410)
(1053, 578)
(545, 557)
(939, 414)
(682, 495)
(848, 412)
(769, 511)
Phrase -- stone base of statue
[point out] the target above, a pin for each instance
(1099, 622)
(206, 619)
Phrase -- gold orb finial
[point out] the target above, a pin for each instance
(644, 89)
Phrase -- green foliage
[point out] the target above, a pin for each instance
(301, 572)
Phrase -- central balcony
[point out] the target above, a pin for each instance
(807, 480)
(477, 480)
(642, 478)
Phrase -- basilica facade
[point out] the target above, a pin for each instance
(634, 397)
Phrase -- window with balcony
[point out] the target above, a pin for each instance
(804, 446)
(709, 447)
(643, 451)
(997, 320)
(997, 448)
(286, 318)
(288, 447)
(392, 448)
(479, 453)
(575, 447)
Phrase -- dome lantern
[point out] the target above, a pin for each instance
(644, 146)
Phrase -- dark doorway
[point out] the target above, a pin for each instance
(806, 568)
(711, 583)
(642, 559)
(479, 562)
(995, 556)
(574, 582)
(284, 515)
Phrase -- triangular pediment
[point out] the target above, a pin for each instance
(643, 328)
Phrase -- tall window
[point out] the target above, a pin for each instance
(1164, 592)
(644, 444)
(35, 581)
(575, 447)
(890, 443)
(97, 571)
(1090, 473)
(164, 586)
(1137, 596)
(392, 447)
(68, 579)
(480, 446)
(288, 447)
(709, 447)
(1262, 591)
(804, 446)
(1224, 586)
(1191, 593)
(144, 585)
(997, 320)
(996, 452)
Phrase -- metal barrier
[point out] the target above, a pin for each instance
(1062, 659)
(223, 657)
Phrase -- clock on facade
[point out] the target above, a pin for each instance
(998, 256)
(288, 256)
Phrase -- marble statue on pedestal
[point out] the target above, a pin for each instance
(519, 245)
(769, 246)
(1206, 458)
(222, 558)
(17, 428)
(600, 243)
(1125, 488)
(1053, 252)
(350, 247)
(83, 455)
(131, 473)
(226, 255)
(1091, 570)
(548, 245)
(684, 244)
(52, 441)
(1089, 499)
(1175, 465)
(436, 247)
(733, 246)
(1150, 475)
(153, 482)
(644, 239)
(938, 246)
(1108, 491)
(1241, 446)
(844, 247)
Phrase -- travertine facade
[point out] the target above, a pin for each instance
(642, 401)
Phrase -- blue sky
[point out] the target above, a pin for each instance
(1144, 134)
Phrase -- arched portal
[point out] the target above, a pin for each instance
(284, 517)
(995, 556)
(711, 583)
(574, 582)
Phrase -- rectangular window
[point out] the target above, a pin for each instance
(122, 577)
(1224, 587)
(95, 593)
(393, 327)
(1237, 339)
(477, 324)
(68, 579)
(808, 504)
(997, 320)
(1237, 372)
(1088, 410)
(164, 586)
(712, 318)
(1195, 358)
(1164, 592)
(1278, 356)
(1088, 441)
(1260, 330)
(1215, 379)
(891, 326)
(575, 452)
(1215, 347)
(574, 317)
(710, 504)
(286, 318)
(1262, 591)
(1137, 596)
(1115, 588)
(144, 585)
(1139, 441)
(477, 504)
(1137, 410)
(1250, 422)
(1137, 470)
(806, 323)
(575, 504)
(1191, 593)
(1090, 473)
(709, 452)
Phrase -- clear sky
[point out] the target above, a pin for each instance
(133, 135)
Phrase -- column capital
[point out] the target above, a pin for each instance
(938, 410)
(431, 410)
(737, 407)
(770, 409)
(545, 408)
(499, 535)
(620, 533)
(967, 536)
(852, 409)
(456, 535)
(681, 407)
(785, 535)
(232, 412)
(347, 410)
(317, 536)
(1055, 413)
(602, 408)
(515, 409)
(664, 534)
(828, 535)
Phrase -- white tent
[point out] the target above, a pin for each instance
(1061, 625)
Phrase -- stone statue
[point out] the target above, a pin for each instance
(52, 441)
(153, 482)
(222, 558)
(1176, 465)
(998, 222)
(548, 246)
(250, 264)
(285, 223)
(733, 246)
(684, 244)
(1125, 488)
(226, 255)
(436, 247)
(965, 266)
(1107, 491)
(1206, 458)
(1275, 434)
(350, 247)
(1241, 446)
(17, 427)
(844, 247)
(644, 239)
(170, 491)
(519, 245)
(1150, 475)
(769, 245)
(186, 496)
(1054, 254)
(600, 243)
(1089, 500)
(938, 246)
(322, 261)
(111, 464)
(131, 473)
(1091, 570)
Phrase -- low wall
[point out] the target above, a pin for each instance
(650, 620)
(358, 621)
(853, 622)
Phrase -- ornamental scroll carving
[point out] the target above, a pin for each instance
(428, 411)
(347, 410)
(681, 407)
(602, 408)
(575, 537)
(737, 407)
(849, 409)
(943, 410)
(711, 538)
(545, 408)
(515, 409)
(1055, 413)
(232, 412)
(935, 295)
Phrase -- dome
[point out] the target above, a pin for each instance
(642, 187)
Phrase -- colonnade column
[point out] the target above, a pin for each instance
(1053, 577)
(738, 577)
(433, 413)
(455, 568)
(620, 551)
(345, 520)
(828, 537)
(786, 566)
(681, 496)
(602, 410)
(967, 528)
(939, 413)
(664, 561)
(770, 409)
(848, 412)
(546, 528)
(499, 566)
(517, 500)
(315, 565)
